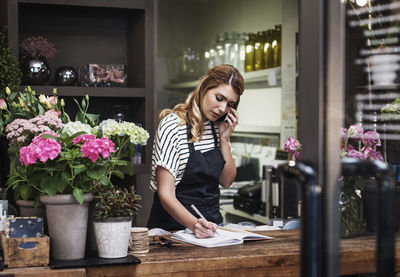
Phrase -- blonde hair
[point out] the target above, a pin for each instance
(191, 111)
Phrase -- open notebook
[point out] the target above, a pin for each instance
(222, 237)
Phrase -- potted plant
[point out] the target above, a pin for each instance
(112, 219)
(359, 145)
(35, 52)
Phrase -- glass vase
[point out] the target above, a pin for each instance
(351, 214)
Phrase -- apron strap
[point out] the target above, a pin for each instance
(189, 136)
(214, 135)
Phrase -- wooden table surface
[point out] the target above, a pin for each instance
(277, 257)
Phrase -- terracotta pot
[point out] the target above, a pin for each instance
(112, 236)
(67, 222)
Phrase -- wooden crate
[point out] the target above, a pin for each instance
(15, 256)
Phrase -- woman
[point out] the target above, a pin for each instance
(192, 154)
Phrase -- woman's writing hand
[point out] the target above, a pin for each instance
(228, 125)
(204, 229)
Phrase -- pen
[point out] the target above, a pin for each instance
(197, 211)
(202, 216)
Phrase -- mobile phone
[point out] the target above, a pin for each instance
(222, 118)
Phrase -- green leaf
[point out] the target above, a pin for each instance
(80, 117)
(105, 181)
(96, 173)
(61, 185)
(80, 169)
(121, 162)
(48, 186)
(25, 191)
(119, 174)
(78, 194)
(92, 117)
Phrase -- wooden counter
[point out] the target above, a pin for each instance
(277, 257)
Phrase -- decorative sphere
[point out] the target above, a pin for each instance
(65, 76)
(36, 72)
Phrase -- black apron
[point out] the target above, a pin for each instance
(199, 186)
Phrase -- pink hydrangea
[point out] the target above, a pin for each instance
(93, 148)
(40, 148)
(83, 138)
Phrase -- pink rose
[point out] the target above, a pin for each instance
(355, 132)
(371, 138)
(356, 155)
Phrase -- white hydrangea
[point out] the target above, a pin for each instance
(136, 134)
(74, 127)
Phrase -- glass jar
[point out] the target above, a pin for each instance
(351, 209)
(220, 49)
(228, 43)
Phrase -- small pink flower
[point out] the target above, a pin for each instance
(3, 104)
(53, 100)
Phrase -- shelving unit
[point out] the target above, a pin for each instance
(270, 77)
(95, 31)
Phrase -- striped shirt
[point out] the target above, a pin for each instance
(171, 149)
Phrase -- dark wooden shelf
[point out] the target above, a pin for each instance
(91, 91)
(131, 4)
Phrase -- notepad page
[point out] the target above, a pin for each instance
(221, 238)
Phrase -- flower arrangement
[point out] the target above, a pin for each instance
(54, 155)
(357, 144)
(38, 47)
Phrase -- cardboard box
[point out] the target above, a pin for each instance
(25, 252)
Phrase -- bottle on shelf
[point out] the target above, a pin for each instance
(268, 51)
(258, 51)
(276, 46)
(249, 54)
